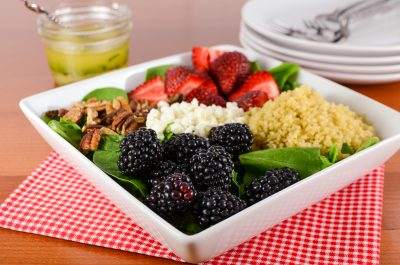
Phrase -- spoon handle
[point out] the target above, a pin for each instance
(40, 10)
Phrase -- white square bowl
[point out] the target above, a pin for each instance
(254, 219)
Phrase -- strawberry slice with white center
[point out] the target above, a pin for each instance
(200, 58)
(214, 54)
(203, 56)
(193, 81)
(152, 91)
(262, 81)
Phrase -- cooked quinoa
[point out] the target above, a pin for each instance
(303, 118)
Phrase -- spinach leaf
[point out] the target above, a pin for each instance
(242, 182)
(306, 160)
(105, 93)
(68, 130)
(285, 75)
(107, 160)
(157, 71)
(347, 149)
(192, 228)
(187, 223)
(46, 118)
(333, 153)
(110, 142)
(255, 66)
(368, 143)
(168, 134)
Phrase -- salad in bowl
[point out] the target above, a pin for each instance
(199, 143)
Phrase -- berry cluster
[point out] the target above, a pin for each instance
(215, 78)
(190, 174)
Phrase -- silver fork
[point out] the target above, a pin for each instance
(331, 36)
(337, 22)
(334, 15)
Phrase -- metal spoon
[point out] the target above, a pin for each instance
(41, 10)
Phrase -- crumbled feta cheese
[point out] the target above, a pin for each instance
(192, 117)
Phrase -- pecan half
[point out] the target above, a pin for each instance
(55, 114)
(91, 139)
(75, 113)
(92, 117)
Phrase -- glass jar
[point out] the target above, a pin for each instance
(93, 38)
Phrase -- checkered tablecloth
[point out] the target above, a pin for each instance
(344, 228)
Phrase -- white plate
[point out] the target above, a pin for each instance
(333, 72)
(349, 78)
(370, 38)
(269, 44)
(252, 220)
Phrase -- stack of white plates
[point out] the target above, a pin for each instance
(370, 55)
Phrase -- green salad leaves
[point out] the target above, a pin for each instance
(68, 130)
(256, 66)
(155, 71)
(241, 181)
(368, 143)
(105, 93)
(305, 160)
(106, 159)
(285, 74)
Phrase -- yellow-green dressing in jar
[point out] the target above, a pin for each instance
(92, 40)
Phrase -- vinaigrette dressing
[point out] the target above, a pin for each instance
(94, 39)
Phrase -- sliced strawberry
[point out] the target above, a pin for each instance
(255, 98)
(262, 81)
(191, 82)
(200, 58)
(174, 78)
(230, 70)
(152, 91)
(206, 96)
(209, 86)
(214, 54)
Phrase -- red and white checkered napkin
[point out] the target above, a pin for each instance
(342, 229)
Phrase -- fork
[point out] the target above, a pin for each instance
(281, 27)
(333, 31)
(337, 22)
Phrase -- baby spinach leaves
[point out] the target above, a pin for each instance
(256, 66)
(110, 142)
(242, 181)
(168, 134)
(368, 143)
(68, 130)
(347, 149)
(285, 75)
(306, 160)
(105, 93)
(106, 159)
(46, 118)
(187, 223)
(333, 153)
(157, 71)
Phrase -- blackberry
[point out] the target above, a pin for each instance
(274, 180)
(211, 168)
(216, 205)
(182, 146)
(236, 138)
(140, 151)
(174, 194)
(163, 169)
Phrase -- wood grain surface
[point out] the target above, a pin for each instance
(161, 27)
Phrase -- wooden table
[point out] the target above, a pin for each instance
(161, 28)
